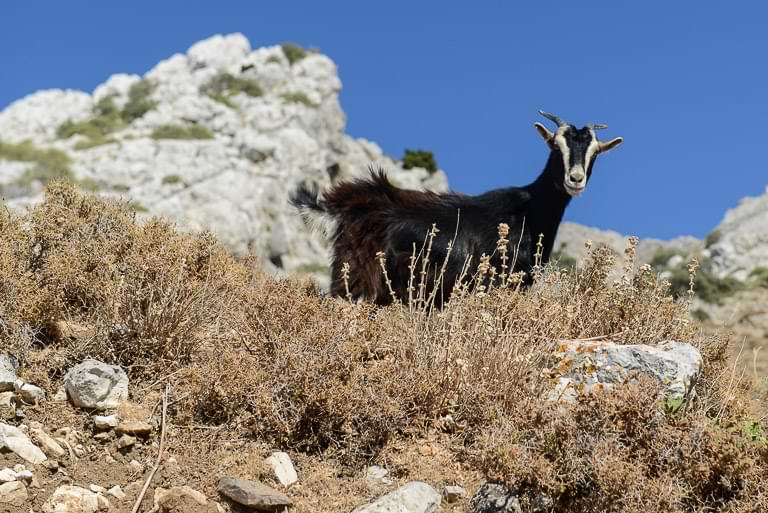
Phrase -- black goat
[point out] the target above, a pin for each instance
(368, 216)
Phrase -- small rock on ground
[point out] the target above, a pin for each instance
(13, 493)
(453, 493)
(7, 406)
(49, 446)
(105, 421)
(16, 441)
(413, 497)
(495, 498)
(96, 385)
(252, 494)
(376, 474)
(134, 427)
(8, 367)
(28, 393)
(72, 499)
(283, 468)
(126, 441)
(117, 492)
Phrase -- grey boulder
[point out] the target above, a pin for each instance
(96, 385)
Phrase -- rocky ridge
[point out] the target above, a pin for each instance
(213, 139)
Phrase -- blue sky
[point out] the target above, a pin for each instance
(683, 82)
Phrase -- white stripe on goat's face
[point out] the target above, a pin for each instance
(578, 148)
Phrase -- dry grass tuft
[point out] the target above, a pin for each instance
(252, 359)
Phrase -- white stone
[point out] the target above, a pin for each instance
(16, 441)
(598, 366)
(97, 489)
(116, 492)
(105, 421)
(219, 51)
(72, 499)
(376, 474)
(94, 384)
(37, 116)
(413, 497)
(7, 475)
(283, 468)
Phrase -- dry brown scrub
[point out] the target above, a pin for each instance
(253, 358)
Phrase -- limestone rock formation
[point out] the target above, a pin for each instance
(213, 139)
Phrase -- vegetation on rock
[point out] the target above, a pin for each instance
(224, 86)
(419, 158)
(293, 52)
(297, 97)
(107, 118)
(182, 132)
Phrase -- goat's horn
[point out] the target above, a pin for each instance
(553, 118)
(597, 126)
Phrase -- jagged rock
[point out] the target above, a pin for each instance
(16, 441)
(252, 494)
(495, 498)
(72, 499)
(452, 493)
(283, 468)
(97, 385)
(29, 393)
(236, 184)
(413, 497)
(7, 405)
(13, 493)
(97, 489)
(586, 367)
(105, 421)
(8, 367)
(134, 427)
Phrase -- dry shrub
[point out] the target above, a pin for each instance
(251, 357)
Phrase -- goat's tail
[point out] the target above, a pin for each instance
(306, 199)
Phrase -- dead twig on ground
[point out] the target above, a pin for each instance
(140, 498)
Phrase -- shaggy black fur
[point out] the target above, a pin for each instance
(372, 215)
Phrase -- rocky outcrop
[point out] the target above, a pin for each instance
(571, 238)
(585, 367)
(741, 240)
(265, 123)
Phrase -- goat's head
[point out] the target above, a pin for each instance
(577, 148)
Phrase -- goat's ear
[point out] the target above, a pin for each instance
(544, 132)
(609, 145)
